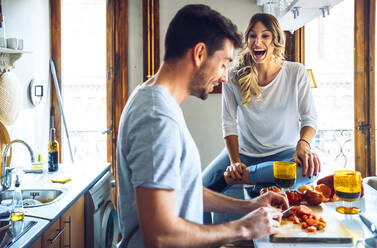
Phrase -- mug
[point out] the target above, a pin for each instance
(20, 44)
(12, 43)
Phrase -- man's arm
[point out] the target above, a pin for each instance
(216, 202)
(160, 227)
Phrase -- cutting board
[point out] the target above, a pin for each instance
(334, 232)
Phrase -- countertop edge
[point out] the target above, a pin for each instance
(32, 235)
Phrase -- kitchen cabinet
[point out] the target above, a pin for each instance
(293, 14)
(37, 243)
(74, 223)
(67, 231)
(51, 237)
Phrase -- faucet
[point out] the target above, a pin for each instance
(6, 180)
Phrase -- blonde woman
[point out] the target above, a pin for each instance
(268, 113)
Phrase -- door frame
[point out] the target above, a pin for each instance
(116, 69)
(364, 87)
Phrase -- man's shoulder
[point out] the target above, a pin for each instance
(148, 103)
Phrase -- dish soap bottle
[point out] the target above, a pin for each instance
(53, 152)
(18, 206)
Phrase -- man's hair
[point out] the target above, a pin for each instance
(196, 23)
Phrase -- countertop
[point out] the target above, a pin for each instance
(83, 178)
(358, 230)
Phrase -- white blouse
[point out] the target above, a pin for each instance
(271, 124)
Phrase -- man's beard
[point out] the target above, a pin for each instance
(198, 85)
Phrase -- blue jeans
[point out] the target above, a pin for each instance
(261, 173)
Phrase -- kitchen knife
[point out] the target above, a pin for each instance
(287, 212)
(370, 225)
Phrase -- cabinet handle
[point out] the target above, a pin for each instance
(69, 222)
(60, 231)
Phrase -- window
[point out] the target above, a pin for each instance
(84, 79)
(329, 46)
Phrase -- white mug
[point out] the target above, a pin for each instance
(12, 43)
(20, 44)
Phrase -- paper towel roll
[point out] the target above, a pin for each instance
(10, 97)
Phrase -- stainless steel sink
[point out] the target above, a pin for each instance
(34, 197)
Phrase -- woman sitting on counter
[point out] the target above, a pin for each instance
(268, 113)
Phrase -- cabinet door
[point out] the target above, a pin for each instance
(52, 236)
(37, 243)
(73, 221)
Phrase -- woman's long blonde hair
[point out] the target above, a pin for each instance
(246, 71)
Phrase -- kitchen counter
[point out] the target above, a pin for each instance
(353, 224)
(83, 178)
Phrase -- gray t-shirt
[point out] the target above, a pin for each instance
(156, 150)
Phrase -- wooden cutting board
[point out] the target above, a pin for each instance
(334, 232)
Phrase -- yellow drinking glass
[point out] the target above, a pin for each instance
(347, 185)
(285, 173)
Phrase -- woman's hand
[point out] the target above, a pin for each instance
(307, 159)
(237, 173)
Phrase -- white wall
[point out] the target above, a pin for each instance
(203, 118)
(29, 20)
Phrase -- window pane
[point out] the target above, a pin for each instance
(329, 53)
(84, 78)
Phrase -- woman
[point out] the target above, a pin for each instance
(268, 113)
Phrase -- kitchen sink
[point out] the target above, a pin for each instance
(33, 197)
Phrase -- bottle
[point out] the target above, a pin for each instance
(18, 207)
(53, 152)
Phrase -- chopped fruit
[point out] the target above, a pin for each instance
(296, 220)
(324, 189)
(303, 189)
(329, 181)
(313, 197)
(294, 197)
(309, 221)
(320, 225)
(272, 188)
(311, 229)
(322, 220)
(302, 210)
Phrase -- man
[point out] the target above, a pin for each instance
(161, 197)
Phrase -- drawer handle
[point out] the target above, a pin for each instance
(60, 231)
(69, 222)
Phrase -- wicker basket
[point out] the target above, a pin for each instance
(10, 97)
(4, 141)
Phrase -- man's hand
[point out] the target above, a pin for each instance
(271, 199)
(237, 173)
(311, 165)
(261, 222)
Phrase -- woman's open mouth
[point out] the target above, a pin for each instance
(259, 53)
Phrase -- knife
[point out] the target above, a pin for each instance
(287, 212)
(372, 227)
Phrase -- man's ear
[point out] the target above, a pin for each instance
(199, 53)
